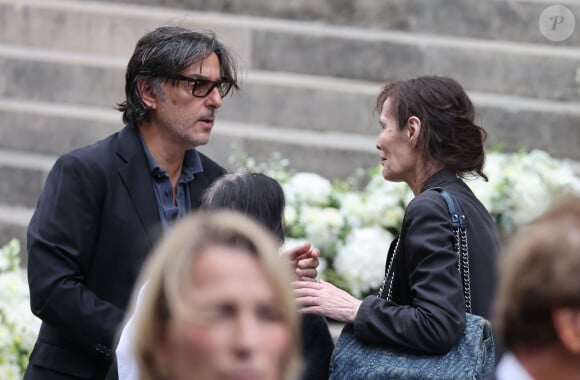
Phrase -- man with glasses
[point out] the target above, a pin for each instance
(104, 206)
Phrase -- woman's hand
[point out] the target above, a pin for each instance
(304, 260)
(323, 298)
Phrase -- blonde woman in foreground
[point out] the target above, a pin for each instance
(217, 304)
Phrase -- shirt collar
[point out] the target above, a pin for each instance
(191, 162)
(151, 163)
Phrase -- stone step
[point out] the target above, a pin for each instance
(505, 68)
(13, 223)
(104, 28)
(513, 20)
(52, 129)
(56, 128)
(26, 173)
(331, 154)
(294, 101)
(533, 70)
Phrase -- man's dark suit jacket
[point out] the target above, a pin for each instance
(95, 222)
(427, 283)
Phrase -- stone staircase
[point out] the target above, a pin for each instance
(312, 70)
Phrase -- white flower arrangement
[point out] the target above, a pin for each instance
(360, 260)
(522, 186)
(353, 221)
(18, 326)
(308, 188)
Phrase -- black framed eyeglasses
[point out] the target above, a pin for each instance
(200, 88)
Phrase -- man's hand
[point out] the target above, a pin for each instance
(304, 260)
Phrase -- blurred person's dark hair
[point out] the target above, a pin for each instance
(253, 194)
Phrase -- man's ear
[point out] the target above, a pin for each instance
(567, 325)
(147, 94)
(413, 129)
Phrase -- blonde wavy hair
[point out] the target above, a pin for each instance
(167, 276)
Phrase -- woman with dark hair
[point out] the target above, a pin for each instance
(428, 138)
(253, 194)
(262, 198)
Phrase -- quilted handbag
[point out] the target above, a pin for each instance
(472, 358)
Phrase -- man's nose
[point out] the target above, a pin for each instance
(214, 99)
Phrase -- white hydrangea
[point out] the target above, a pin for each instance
(9, 258)
(381, 203)
(6, 342)
(533, 198)
(491, 193)
(557, 175)
(322, 227)
(378, 184)
(361, 259)
(309, 188)
(18, 326)
(384, 209)
(353, 207)
(290, 215)
(528, 190)
(10, 370)
(24, 326)
(14, 289)
(4, 263)
(561, 179)
(575, 185)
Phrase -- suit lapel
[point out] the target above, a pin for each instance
(135, 175)
(196, 189)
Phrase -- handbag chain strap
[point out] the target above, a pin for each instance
(464, 258)
(390, 289)
(458, 222)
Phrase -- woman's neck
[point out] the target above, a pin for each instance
(422, 174)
